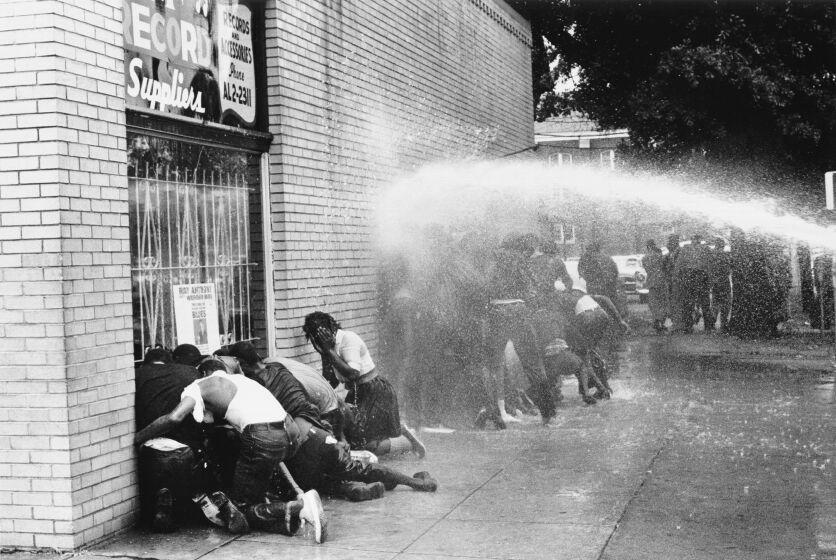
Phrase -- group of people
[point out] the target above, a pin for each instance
(742, 291)
(475, 304)
(251, 442)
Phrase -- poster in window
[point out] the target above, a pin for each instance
(193, 58)
(196, 316)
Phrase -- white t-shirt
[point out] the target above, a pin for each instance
(252, 403)
(353, 351)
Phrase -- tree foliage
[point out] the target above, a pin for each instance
(715, 77)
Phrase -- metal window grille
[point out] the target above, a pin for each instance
(188, 228)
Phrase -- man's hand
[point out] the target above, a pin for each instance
(325, 338)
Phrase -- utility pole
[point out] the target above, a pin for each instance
(829, 204)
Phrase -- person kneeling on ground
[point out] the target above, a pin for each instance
(167, 466)
(321, 462)
(268, 436)
(345, 358)
(588, 318)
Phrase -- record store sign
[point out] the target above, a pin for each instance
(192, 58)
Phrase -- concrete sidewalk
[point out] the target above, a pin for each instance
(683, 463)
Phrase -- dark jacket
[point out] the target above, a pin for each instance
(158, 390)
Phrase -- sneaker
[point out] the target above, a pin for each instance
(163, 512)
(235, 521)
(361, 492)
(312, 514)
(417, 447)
(428, 483)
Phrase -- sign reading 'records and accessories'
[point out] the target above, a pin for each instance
(192, 58)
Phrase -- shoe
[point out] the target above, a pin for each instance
(232, 517)
(588, 399)
(499, 423)
(163, 515)
(361, 492)
(314, 522)
(417, 447)
(428, 483)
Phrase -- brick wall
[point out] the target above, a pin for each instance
(66, 379)
(359, 92)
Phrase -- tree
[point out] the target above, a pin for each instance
(720, 78)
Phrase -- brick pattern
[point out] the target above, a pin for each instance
(66, 383)
(359, 92)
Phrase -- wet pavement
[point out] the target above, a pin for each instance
(691, 459)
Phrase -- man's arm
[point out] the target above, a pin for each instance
(608, 306)
(166, 423)
(563, 274)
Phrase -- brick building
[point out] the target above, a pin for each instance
(204, 171)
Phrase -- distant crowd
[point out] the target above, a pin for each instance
(741, 290)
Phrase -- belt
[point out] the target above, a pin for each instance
(264, 426)
(287, 425)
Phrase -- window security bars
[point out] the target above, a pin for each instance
(188, 227)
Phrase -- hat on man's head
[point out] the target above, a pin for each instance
(245, 352)
(187, 354)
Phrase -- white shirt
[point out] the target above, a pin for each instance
(252, 403)
(353, 351)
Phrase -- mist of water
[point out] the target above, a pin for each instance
(499, 196)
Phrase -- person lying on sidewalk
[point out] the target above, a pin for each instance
(346, 358)
(321, 462)
(268, 435)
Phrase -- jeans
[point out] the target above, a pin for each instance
(176, 470)
(321, 463)
(263, 447)
(510, 321)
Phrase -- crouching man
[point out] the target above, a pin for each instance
(588, 318)
(169, 473)
(268, 436)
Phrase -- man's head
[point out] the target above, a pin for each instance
(157, 355)
(187, 354)
(549, 247)
(696, 239)
(247, 356)
(210, 365)
(319, 319)
(651, 246)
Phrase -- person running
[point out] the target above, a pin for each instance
(268, 435)
(377, 423)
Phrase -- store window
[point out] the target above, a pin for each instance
(194, 270)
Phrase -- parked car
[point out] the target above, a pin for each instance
(630, 273)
